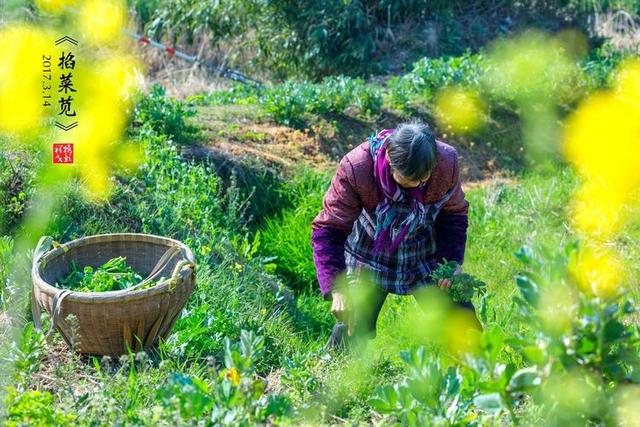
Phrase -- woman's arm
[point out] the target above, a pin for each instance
(341, 207)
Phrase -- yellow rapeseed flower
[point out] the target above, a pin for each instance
(602, 140)
(233, 376)
(105, 96)
(458, 109)
(21, 77)
(460, 335)
(597, 270)
(101, 21)
(597, 210)
(54, 6)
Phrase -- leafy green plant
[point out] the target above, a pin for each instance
(165, 115)
(33, 408)
(238, 94)
(463, 286)
(113, 275)
(17, 182)
(288, 102)
(26, 353)
(430, 395)
(430, 74)
(232, 396)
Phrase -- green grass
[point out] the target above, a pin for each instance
(238, 290)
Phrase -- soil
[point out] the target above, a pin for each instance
(237, 133)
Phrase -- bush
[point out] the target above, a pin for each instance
(315, 39)
(165, 115)
(287, 103)
(430, 74)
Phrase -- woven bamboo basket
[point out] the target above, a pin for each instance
(112, 323)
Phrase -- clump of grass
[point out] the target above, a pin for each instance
(288, 236)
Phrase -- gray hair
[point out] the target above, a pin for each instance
(412, 150)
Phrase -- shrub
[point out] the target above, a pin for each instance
(165, 115)
(287, 103)
(430, 74)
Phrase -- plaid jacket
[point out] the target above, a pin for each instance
(342, 232)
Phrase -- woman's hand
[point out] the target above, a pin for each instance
(340, 309)
(446, 283)
(339, 306)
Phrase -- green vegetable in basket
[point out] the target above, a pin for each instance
(113, 275)
(463, 286)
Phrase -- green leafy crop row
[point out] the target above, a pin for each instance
(289, 102)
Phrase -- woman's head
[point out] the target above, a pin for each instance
(412, 153)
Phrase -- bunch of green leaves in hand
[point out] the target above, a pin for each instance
(463, 286)
(113, 275)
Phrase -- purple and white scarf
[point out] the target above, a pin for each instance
(391, 228)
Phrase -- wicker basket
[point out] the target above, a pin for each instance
(111, 323)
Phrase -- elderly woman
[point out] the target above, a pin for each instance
(395, 207)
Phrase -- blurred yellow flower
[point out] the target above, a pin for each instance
(627, 400)
(597, 270)
(458, 109)
(531, 66)
(105, 98)
(602, 141)
(459, 334)
(21, 77)
(556, 308)
(597, 209)
(570, 394)
(101, 21)
(54, 5)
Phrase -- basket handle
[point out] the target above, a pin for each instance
(44, 244)
(176, 272)
(160, 265)
(56, 308)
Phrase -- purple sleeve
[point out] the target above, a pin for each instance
(341, 206)
(451, 237)
(328, 256)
